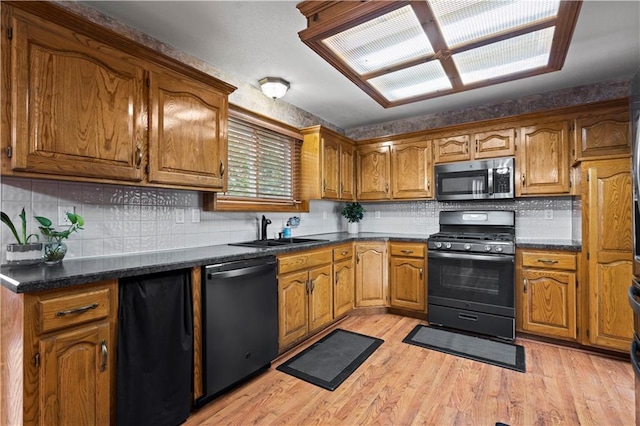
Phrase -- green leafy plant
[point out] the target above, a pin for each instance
(354, 212)
(21, 238)
(46, 227)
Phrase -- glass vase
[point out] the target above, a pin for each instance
(54, 252)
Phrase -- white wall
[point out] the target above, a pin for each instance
(126, 219)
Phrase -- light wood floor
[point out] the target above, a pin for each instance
(402, 384)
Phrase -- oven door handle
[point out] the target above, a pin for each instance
(466, 256)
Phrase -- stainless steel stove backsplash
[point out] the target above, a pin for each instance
(124, 219)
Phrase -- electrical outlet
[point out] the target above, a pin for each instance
(377, 214)
(324, 215)
(63, 220)
(195, 215)
(548, 215)
(179, 215)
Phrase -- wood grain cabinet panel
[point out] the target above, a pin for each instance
(542, 161)
(604, 134)
(344, 280)
(607, 236)
(411, 170)
(331, 168)
(188, 140)
(78, 105)
(373, 173)
(452, 148)
(494, 143)
(407, 283)
(372, 288)
(305, 294)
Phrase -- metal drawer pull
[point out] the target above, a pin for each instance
(221, 168)
(407, 251)
(105, 353)
(138, 156)
(77, 310)
(420, 273)
(524, 285)
(468, 317)
(549, 261)
(344, 253)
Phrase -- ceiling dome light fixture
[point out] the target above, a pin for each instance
(274, 87)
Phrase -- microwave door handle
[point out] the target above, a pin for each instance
(490, 182)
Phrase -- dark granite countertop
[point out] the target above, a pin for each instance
(27, 279)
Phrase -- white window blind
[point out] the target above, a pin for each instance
(264, 165)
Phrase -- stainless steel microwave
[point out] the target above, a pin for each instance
(475, 180)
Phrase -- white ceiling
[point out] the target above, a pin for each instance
(255, 39)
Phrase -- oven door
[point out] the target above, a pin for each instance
(476, 282)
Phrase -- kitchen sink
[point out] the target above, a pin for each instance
(276, 242)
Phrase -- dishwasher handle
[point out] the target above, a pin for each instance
(241, 271)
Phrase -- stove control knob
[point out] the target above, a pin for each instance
(499, 249)
(487, 248)
(438, 244)
(467, 246)
(447, 245)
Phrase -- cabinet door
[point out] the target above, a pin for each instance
(75, 377)
(411, 170)
(79, 107)
(407, 283)
(602, 135)
(188, 132)
(292, 307)
(371, 275)
(543, 159)
(608, 237)
(320, 297)
(330, 168)
(549, 305)
(343, 287)
(494, 143)
(453, 148)
(347, 174)
(373, 174)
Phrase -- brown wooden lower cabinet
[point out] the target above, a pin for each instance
(548, 293)
(372, 285)
(67, 339)
(407, 276)
(344, 280)
(305, 294)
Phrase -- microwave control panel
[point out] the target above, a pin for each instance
(501, 180)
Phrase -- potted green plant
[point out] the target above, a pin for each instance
(23, 252)
(353, 212)
(54, 248)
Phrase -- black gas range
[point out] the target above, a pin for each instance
(472, 273)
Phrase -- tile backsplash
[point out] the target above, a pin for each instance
(128, 219)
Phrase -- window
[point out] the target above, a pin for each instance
(264, 162)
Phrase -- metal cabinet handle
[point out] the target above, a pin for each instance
(312, 285)
(524, 281)
(428, 185)
(138, 156)
(105, 354)
(344, 253)
(324, 185)
(523, 180)
(358, 258)
(476, 145)
(221, 168)
(307, 287)
(386, 187)
(548, 261)
(337, 273)
(77, 310)
(407, 251)
(420, 273)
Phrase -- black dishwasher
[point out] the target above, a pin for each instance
(239, 323)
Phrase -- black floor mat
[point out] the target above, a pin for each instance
(329, 361)
(505, 355)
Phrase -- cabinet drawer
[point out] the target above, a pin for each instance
(71, 309)
(407, 250)
(304, 260)
(342, 252)
(547, 260)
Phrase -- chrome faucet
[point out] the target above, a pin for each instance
(263, 229)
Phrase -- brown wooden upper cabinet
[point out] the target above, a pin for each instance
(489, 143)
(85, 104)
(411, 170)
(601, 134)
(327, 165)
(542, 159)
(373, 173)
(188, 132)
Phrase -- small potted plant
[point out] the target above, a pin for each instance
(354, 212)
(54, 248)
(23, 252)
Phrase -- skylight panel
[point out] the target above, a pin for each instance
(389, 39)
(462, 21)
(410, 82)
(511, 56)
